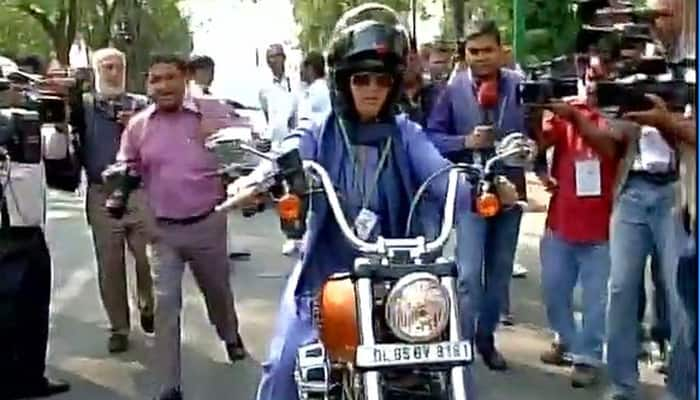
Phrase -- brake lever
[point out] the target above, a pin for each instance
(230, 203)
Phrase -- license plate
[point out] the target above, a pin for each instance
(383, 355)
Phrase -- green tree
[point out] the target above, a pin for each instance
(551, 28)
(157, 26)
(98, 22)
(59, 19)
(31, 39)
(137, 27)
(317, 18)
(551, 24)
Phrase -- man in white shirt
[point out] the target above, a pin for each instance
(316, 100)
(276, 97)
(279, 104)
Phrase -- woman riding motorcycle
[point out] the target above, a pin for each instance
(376, 159)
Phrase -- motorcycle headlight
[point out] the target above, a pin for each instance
(417, 308)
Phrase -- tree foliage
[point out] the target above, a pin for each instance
(98, 21)
(551, 24)
(15, 41)
(551, 28)
(45, 26)
(158, 27)
(59, 19)
(317, 18)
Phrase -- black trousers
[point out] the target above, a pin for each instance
(25, 291)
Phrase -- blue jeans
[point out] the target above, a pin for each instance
(682, 375)
(563, 264)
(485, 253)
(642, 220)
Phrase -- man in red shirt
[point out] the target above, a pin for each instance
(574, 247)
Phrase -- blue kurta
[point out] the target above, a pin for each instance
(327, 251)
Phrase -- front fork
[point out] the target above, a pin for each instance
(365, 306)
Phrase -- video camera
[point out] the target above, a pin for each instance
(623, 42)
(113, 107)
(557, 78)
(37, 96)
(678, 88)
(28, 102)
(20, 128)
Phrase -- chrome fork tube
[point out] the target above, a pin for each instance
(370, 379)
(457, 374)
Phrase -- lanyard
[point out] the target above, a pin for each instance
(357, 170)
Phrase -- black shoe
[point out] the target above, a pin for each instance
(583, 376)
(44, 388)
(174, 394)
(618, 396)
(557, 355)
(239, 255)
(118, 343)
(507, 320)
(236, 351)
(494, 360)
(147, 323)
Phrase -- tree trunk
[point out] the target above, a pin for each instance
(458, 18)
(62, 48)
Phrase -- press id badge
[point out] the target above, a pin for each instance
(588, 178)
(364, 223)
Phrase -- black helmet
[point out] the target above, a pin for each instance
(366, 38)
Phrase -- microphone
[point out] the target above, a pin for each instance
(487, 97)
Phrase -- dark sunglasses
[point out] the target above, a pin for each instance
(364, 79)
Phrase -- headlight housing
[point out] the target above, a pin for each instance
(417, 308)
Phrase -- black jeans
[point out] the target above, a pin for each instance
(25, 292)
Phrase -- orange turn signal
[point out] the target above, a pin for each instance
(289, 207)
(488, 205)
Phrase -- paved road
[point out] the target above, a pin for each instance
(78, 335)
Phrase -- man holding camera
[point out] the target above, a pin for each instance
(99, 120)
(164, 146)
(478, 107)
(645, 217)
(25, 262)
(575, 250)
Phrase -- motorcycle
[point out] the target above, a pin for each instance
(390, 328)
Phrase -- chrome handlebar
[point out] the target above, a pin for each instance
(265, 175)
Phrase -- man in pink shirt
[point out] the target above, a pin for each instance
(164, 145)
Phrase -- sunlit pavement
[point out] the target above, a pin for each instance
(78, 351)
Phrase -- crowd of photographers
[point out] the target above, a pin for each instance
(620, 170)
(619, 134)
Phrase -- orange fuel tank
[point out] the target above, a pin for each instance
(337, 319)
